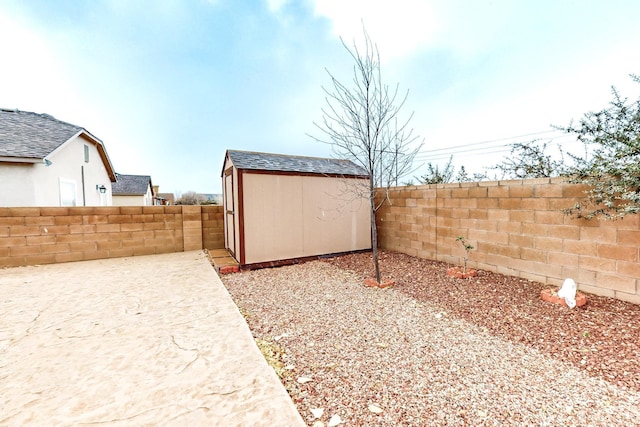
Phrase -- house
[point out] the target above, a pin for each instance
(165, 199)
(48, 162)
(279, 208)
(132, 190)
(162, 199)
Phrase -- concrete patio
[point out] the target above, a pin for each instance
(131, 341)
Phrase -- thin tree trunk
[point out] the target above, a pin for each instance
(374, 235)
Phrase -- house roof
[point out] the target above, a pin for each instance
(295, 164)
(167, 196)
(31, 137)
(131, 185)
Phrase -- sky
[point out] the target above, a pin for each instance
(170, 85)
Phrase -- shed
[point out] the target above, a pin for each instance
(281, 208)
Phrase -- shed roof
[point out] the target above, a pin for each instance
(31, 137)
(248, 160)
(131, 185)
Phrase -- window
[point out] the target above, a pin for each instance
(86, 154)
(67, 192)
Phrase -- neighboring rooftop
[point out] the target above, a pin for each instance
(32, 135)
(130, 185)
(169, 197)
(284, 163)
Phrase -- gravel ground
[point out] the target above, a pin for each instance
(435, 350)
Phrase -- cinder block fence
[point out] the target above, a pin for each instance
(518, 229)
(48, 235)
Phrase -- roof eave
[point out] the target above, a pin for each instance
(103, 155)
(101, 151)
(11, 159)
(302, 173)
(226, 156)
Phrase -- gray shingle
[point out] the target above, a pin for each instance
(32, 135)
(284, 163)
(130, 185)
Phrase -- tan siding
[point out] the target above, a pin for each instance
(298, 216)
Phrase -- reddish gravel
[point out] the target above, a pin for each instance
(602, 338)
(439, 351)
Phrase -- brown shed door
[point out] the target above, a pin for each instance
(229, 220)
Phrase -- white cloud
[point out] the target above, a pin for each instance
(167, 7)
(276, 5)
(32, 77)
(399, 28)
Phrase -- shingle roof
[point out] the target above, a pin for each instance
(284, 163)
(130, 185)
(31, 135)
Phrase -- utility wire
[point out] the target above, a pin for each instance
(446, 157)
(462, 149)
(490, 141)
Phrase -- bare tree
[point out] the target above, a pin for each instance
(361, 123)
(190, 198)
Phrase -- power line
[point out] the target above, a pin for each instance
(464, 154)
(443, 153)
(490, 141)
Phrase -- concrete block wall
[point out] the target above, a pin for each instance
(213, 227)
(518, 229)
(44, 235)
(192, 227)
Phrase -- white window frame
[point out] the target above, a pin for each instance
(67, 186)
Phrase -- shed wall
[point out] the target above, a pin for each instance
(231, 209)
(292, 216)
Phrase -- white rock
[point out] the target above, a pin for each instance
(568, 292)
(335, 420)
(303, 380)
(375, 409)
(279, 337)
(317, 412)
(289, 367)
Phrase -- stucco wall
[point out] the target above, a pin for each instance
(39, 184)
(17, 187)
(142, 200)
(518, 229)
